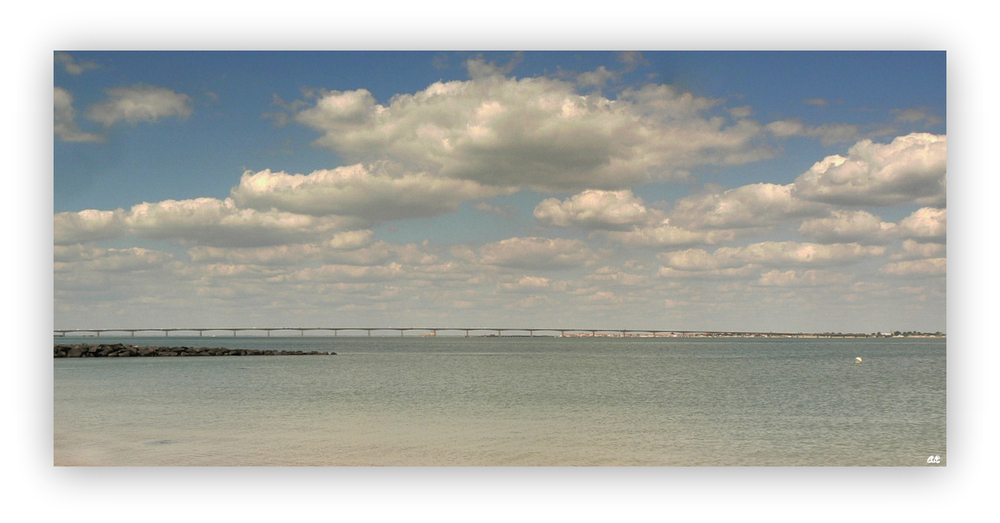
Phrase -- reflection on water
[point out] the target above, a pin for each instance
(509, 401)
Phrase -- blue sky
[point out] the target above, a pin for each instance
(794, 191)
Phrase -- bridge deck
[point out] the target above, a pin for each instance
(433, 331)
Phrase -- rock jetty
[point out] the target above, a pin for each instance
(119, 350)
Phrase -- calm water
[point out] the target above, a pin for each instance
(508, 401)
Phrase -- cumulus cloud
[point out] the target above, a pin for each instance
(621, 217)
(277, 255)
(809, 278)
(745, 272)
(535, 132)
(774, 254)
(89, 226)
(132, 259)
(848, 226)
(537, 253)
(347, 273)
(380, 253)
(594, 209)
(140, 103)
(65, 126)
(915, 249)
(797, 253)
(666, 235)
(755, 205)
(618, 277)
(378, 192)
(928, 223)
(698, 260)
(916, 268)
(596, 78)
(910, 169)
(200, 221)
(527, 284)
(210, 221)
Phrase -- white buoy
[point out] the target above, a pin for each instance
(857, 360)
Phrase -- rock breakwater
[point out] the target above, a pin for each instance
(119, 350)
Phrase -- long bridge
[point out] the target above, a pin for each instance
(429, 331)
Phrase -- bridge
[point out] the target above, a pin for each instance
(419, 331)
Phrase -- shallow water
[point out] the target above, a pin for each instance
(508, 401)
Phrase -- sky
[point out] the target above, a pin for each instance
(751, 191)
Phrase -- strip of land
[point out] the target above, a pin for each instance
(119, 350)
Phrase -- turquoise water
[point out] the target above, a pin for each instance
(509, 401)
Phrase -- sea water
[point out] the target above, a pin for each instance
(508, 401)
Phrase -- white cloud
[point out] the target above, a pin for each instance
(809, 278)
(910, 169)
(596, 78)
(537, 253)
(379, 192)
(140, 104)
(746, 272)
(918, 268)
(754, 205)
(796, 253)
(915, 249)
(380, 253)
(89, 226)
(594, 209)
(201, 221)
(65, 126)
(276, 255)
(621, 217)
(849, 226)
(210, 221)
(664, 234)
(347, 273)
(132, 259)
(617, 277)
(536, 132)
(350, 239)
(775, 254)
(527, 284)
(697, 260)
(928, 223)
